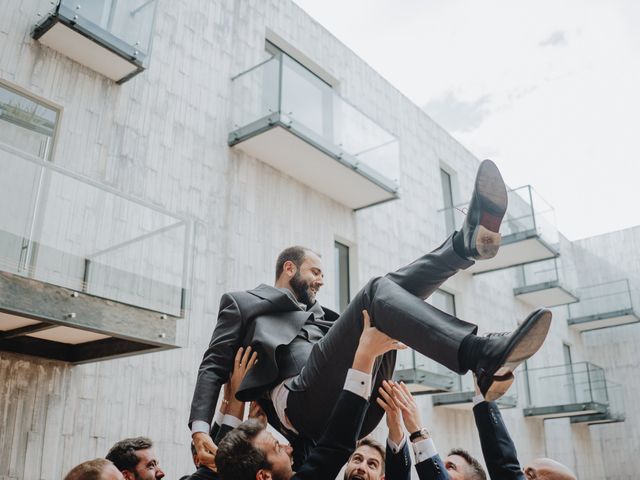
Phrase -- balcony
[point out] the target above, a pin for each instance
(604, 305)
(572, 390)
(295, 122)
(461, 398)
(86, 273)
(528, 231)
(421, 374)
(541, 284)
(615, 410)
(110, 37)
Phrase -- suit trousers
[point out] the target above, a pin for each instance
(396, 305)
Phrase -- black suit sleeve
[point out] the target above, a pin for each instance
(432, 469)
(217, 361)
(498, 449)
(338, 440)
(397, 465)
(221, 433)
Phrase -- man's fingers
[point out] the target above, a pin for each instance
(405, 389)
(238, 358)
(388, 398)
(252, 360)
(383, 404)
(365, 319)
(245, 356)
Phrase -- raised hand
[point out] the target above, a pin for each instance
(241, 365)
(410, 411)
(392, 411)
(205, 450)
(256, 411)
(372, 344)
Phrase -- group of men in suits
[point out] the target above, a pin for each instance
(306, 350)
(317, 370)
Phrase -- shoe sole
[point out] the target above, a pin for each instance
(493, 199)
(533, 333)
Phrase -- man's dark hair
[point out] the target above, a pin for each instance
(377, 446)
(89, 470)
(123, 453)
(477, 472)
(237, 458)
(293, 254)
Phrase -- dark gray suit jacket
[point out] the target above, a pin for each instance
(264, 318)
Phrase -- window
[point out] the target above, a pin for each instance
(342, 275)
(444, 301)
(447, 199)
(26, 124)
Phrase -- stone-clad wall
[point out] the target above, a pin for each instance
(162, 137)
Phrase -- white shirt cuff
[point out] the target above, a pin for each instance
(359, 383)
(232, 421)
(200, 426)
(218, 417)
(424, 449)
(477, 399)
(396, 448)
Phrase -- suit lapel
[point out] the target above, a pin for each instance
(275, 296)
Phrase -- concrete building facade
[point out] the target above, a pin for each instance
(147, 176)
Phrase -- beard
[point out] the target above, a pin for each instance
(302, 290)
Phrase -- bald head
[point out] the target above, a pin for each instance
(547, 469)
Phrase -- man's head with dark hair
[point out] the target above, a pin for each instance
(300, 270)
(97, 469)
(136, 459)
(366, 462)
(462, 466)
(250, 452)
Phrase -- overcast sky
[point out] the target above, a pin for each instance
(548, 89)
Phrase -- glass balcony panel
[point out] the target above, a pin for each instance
(292, 120)
(68, 232)
(18, 186)
(93, 240)
(127, 20)
(576, 383)
(528, 230)
(314, 107)
(539, 272)
(258, 89)
(602, 298)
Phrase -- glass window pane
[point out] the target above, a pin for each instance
(26, 124)
(342, 276)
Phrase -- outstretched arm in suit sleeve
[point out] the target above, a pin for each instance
(429, 465)
(397, 464)
(214, 371)
(498, 449)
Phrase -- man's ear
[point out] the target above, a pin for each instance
(128, 475)
(290, 268)
(530, 473)
(263, 474)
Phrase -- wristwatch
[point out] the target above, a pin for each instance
(421, 434)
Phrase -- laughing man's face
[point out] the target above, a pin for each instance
(365, 464)
(308, 279)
